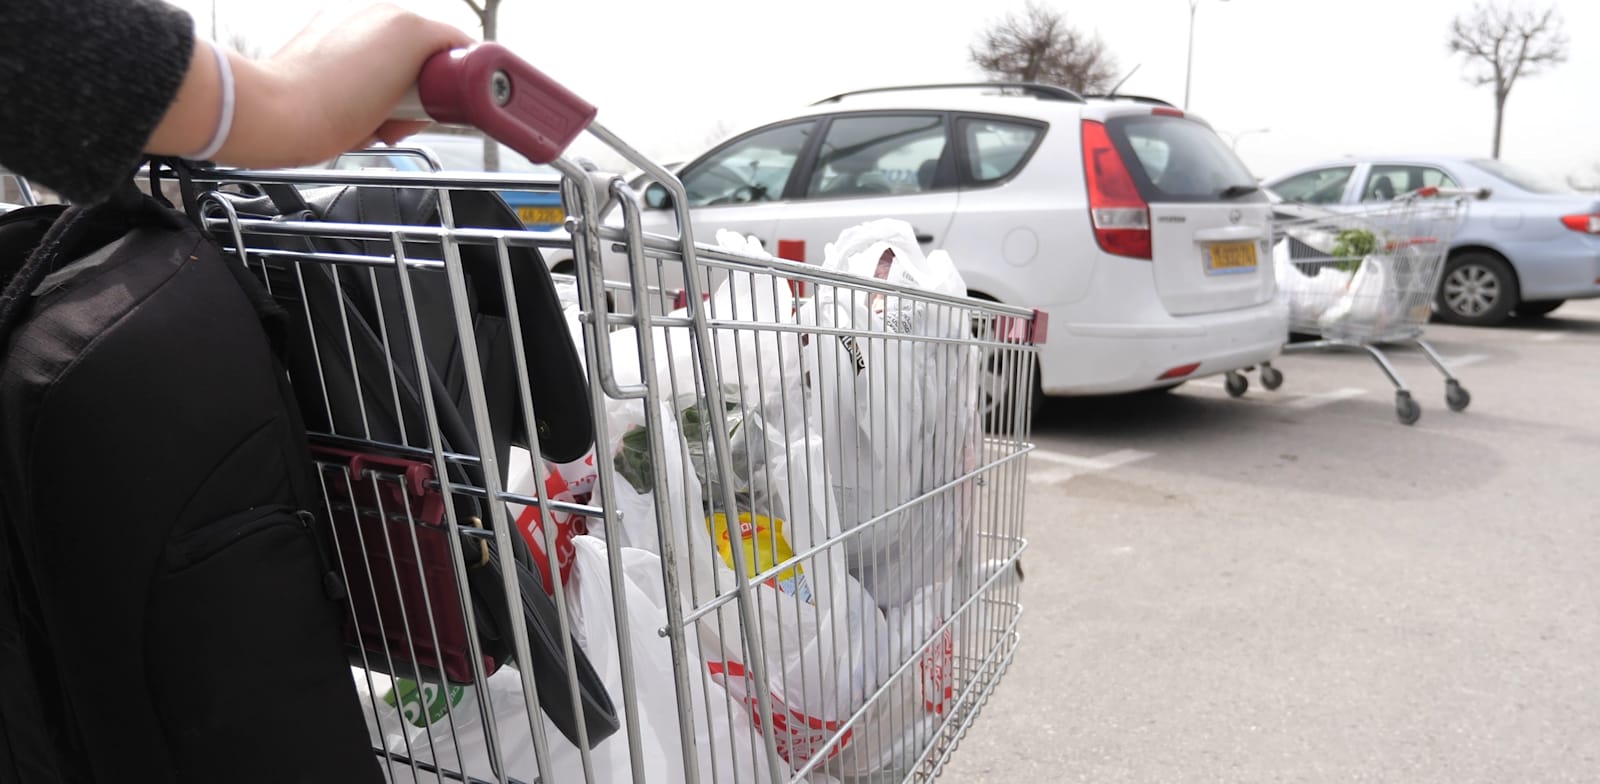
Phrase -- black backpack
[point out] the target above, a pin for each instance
(168, 609)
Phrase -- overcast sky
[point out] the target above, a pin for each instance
(1327, 78)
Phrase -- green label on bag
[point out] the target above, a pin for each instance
(423, 704)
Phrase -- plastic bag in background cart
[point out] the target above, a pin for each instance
(904, 413)
(1370, 304)
(444, 726)
(816, 624)
(1309, 295)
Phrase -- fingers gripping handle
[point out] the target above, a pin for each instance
(489, 88)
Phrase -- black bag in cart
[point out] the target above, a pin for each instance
(168, 611)
(358, 378)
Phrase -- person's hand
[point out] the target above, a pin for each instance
(331, 89)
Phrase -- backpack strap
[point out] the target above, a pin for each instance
(124, 210)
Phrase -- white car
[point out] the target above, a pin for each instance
(1131, 223)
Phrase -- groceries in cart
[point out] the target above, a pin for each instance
(760, 537)
(1333, 278)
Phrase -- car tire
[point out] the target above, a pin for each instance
(1539, 308)
(1477, 289)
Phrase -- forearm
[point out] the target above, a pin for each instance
(329, 90)
(82, 84)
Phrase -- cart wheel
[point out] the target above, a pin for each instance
(1456, 396)
(1406, 408)
(1237, 384)
(1271, 377)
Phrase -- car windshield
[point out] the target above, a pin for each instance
(1522, 178)
(460, 154)
(1180, 159)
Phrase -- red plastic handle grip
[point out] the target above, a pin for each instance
(489, 88)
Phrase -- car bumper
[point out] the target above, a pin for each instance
(1108, 358)
(1561, 270)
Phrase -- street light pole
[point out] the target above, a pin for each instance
(1188, 71)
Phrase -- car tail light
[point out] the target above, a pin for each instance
(1165, 112)
(1120, 215)
(1588, 224)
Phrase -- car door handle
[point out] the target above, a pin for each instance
(924, 238)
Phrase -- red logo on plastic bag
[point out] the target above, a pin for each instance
(559, 486)
(798, 736)
(938, 688)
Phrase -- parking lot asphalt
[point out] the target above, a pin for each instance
(1294, 587)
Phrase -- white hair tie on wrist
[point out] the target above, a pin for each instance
(225, 118)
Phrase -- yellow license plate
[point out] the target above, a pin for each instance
(542, 216)
(1231, 257)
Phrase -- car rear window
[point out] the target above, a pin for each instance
(996, 148)
(1177, 159)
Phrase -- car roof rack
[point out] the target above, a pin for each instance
(1047, 92)
(1134, 98)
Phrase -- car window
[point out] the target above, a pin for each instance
(1385, 182)
(752, 168)
(996, 148)
(462, 154)
(1322, 186)
(396, 161)
(1522, 178)
(878, 154)
(1180, 159)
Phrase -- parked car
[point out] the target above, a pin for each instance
(463, 153)
(1132, 224)
(1526, 247)
(451, 153)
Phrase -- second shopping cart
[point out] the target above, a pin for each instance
(1366, 279)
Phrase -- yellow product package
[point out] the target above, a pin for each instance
(765, 546)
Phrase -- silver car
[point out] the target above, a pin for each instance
(1527, 246)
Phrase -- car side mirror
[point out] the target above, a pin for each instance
(657, 197)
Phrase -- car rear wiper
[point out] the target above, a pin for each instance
(1234, 191)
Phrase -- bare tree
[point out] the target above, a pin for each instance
(488, 12)
(1502, 44)
(1039, 46)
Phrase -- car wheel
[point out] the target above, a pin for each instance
(1478, 289)
(1537, 309)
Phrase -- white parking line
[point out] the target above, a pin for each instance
(1062, 467)
(1465, 360)
(1324, 398)
(1550, 337)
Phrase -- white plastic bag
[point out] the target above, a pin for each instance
(1368, 306)
(818, 671)
(902, 416)
(902, 411)
(413, 722)
(1308, 296)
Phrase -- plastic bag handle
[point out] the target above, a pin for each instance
(488, 87)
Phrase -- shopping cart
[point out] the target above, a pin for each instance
(1366, 279)
(864, 439)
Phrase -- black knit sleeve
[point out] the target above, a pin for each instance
(83, 84)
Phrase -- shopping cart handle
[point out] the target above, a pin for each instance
(489, 88)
